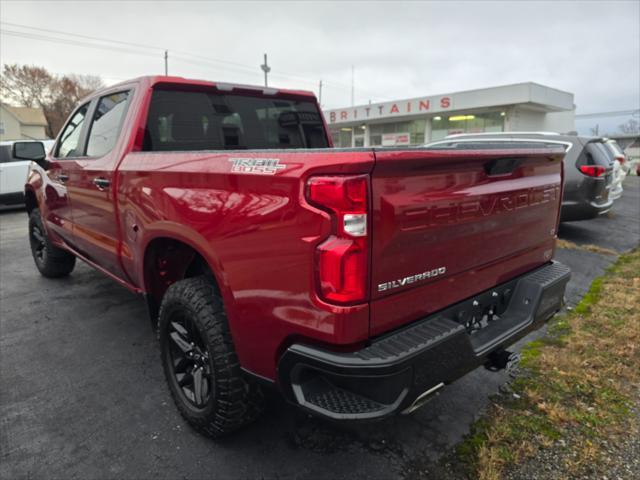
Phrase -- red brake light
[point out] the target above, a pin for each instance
(592, 170)
(342, 259)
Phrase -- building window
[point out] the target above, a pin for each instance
(386, 133)
(416, 130)
(375, 135)
(342, 137)
(466, 123)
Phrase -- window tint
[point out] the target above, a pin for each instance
(70, 138)
(5, 154)
(614, 147)
(595, 153)
(106, 124)
(212, 121)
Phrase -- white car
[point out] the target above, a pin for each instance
(620, 168)
(13, 173)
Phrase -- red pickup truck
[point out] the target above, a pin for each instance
(356, 281)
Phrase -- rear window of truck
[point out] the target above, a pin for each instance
(182, 120)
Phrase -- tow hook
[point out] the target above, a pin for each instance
(501, 359)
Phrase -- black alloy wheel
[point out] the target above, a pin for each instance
(190, 362)
(51, 261)
(38, 244)
(200, 364)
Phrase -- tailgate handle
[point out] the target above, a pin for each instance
(502, 166)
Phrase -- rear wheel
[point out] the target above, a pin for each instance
(199, 360)
(51, 261)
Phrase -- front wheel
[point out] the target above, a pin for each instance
(199, 360)
(51, 261)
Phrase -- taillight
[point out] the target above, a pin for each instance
(342, 259)
(592, 170)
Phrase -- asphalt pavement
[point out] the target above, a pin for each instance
(82, 394)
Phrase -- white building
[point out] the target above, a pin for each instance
(414, 121)
(22, 123)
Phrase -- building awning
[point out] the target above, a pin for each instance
(532, 95)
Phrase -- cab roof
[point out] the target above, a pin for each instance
(151, 81)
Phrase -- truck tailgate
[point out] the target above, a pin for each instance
(448, 224)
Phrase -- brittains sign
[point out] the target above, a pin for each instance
(391, 109)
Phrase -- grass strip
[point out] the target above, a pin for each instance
(577, 389)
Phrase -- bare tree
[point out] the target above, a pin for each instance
(31, 86)
(87, 83)
(68, 91)
(631, 127)
(26, 85)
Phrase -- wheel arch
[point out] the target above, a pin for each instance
(169, 257)
(30, 199)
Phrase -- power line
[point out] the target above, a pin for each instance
(160, 51)
(130, 44)
(64, 41)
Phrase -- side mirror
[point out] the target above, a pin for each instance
(33, 151)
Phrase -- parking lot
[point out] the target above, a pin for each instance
(82, 394)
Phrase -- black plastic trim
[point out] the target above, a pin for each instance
(397, 368)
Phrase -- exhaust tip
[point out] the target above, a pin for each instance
(422, 399)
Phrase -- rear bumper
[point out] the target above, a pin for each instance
(584, 210)
(397, 370)
(616, 191)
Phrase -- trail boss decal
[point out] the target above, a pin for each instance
(259, 166)
(418, 277)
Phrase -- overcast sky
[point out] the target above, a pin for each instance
(398, 49)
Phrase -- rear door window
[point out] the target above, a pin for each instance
(179, 120)
(107, 120)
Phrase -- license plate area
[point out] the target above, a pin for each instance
(486, 309)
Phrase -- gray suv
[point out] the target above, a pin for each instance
(588, 171)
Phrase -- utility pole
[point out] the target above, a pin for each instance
(166, 62)
(266, 69)
(320, 94)
(352, 85)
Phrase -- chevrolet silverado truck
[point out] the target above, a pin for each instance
(358, 282)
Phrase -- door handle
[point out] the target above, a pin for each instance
(62, 177)
(101, 183)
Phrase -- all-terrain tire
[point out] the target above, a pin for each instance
(233, 401)
(51, 261)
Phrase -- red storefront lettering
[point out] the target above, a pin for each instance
(423, 105)
(408, 107)
(394, 109)
(343, 115)
(445, 102)
(332, 117)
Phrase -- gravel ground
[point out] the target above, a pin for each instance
(620, 458)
